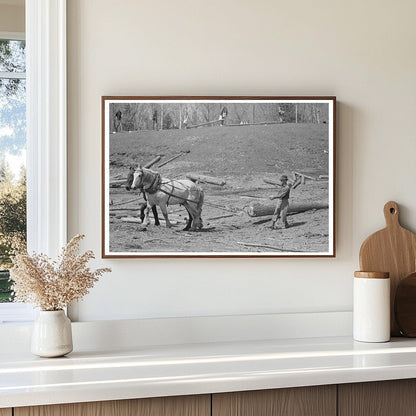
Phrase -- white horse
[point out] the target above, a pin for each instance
(163, 192)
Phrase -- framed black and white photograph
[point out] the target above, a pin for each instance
(218, 177)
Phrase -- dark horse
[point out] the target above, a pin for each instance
(142, 206)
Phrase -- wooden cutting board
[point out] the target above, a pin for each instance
(393, 250)
(405, 306)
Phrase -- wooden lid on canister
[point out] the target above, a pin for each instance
(372, 275)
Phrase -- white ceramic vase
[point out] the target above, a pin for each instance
(52, 334)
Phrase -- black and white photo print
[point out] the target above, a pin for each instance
(218, 176)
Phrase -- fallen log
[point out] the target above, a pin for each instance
(152, 162)
(270, 182)
(124, 202)
(118, 183)
(139, 221)
(203, 124)
(305, 176)
(323, 177)
(260, 123)
(219, 206)
(252, 197)
(258, 209)
(173, 158)
(135, 209)
(220, 217)
(269, 247)
(206, 179)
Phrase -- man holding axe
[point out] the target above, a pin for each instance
(283, 200)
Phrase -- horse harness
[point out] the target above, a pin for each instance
(156, 186)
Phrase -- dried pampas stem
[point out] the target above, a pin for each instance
(53, 285)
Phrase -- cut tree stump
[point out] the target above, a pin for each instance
(206, 179)
(258, 209)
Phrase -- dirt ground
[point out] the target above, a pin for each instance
(243, 156)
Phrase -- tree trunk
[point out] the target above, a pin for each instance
(257, 209)
(207, 179)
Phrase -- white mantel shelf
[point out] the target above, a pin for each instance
(151, 371)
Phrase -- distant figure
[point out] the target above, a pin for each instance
(185, 121)
(281, 114)
(154, 119)
(117, 122)
(223, 115)
(282, 197)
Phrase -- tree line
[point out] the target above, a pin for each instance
(157, 116)
(12, 223)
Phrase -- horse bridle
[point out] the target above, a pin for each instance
(154, 186)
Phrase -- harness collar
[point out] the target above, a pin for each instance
(155, 185)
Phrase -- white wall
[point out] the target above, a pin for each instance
(12, 18)
(361, 51)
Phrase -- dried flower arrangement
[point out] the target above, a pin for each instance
(53, 285)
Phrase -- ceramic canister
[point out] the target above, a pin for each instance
(371, 322)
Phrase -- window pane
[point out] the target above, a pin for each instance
(12, 174)
(5, 291)
(12, 118)
(12, 56)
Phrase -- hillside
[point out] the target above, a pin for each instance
(226, 151)
(243, 156)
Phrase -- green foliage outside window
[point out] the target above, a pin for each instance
(12, 145)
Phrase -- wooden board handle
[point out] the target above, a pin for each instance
(391, 214)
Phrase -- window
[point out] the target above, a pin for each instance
(12, 164)
(12, 154)
(46, 134)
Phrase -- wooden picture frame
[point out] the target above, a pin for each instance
(216, 162)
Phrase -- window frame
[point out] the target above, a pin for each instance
(46, 138)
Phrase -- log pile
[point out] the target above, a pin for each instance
(258, 209)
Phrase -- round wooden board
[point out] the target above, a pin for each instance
(405, 306)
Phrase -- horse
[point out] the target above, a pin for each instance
(163, 192)
(142, 206)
